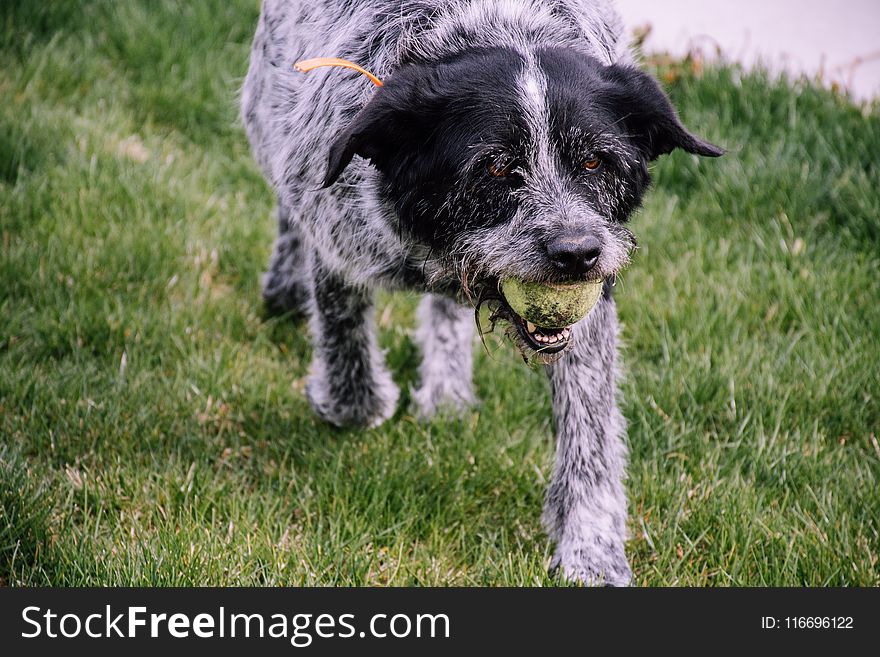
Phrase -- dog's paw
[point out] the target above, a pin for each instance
(430, 401)
(360, 406)
(591, 567)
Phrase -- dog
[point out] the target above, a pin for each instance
(508, 139)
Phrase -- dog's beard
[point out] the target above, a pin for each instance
(464, 271)
(474, 283)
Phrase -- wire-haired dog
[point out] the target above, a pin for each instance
(510, 140)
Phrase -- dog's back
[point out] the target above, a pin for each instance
(281, 106)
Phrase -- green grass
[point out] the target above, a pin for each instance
(134, 229)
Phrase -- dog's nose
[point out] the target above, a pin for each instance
(574, 253)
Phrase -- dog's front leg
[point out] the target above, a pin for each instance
(585, 509)
(445, 337)
(348, 384)
(285, 284)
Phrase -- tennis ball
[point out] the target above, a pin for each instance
(551, 305)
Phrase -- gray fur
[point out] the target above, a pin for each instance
(585, 510)
(337, 245)
(445, 337)
(348, 383)
(286, 283)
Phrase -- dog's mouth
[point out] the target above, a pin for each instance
(540, 314)
(542, 339)
(534, 342)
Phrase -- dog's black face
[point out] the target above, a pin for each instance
(512, 166)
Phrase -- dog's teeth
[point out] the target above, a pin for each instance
(530, 327)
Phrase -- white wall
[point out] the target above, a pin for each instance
(800, 35)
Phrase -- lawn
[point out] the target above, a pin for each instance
(154, 430)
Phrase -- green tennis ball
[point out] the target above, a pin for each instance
(551, 305)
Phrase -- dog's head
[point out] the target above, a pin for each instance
(506, 165)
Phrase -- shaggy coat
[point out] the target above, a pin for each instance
(511, 139)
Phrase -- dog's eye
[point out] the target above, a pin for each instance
(592, 163)
(500, 166)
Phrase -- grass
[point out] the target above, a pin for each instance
(154, 430)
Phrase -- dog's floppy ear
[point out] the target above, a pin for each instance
(395, 118)
(648, 115)
(363, 137)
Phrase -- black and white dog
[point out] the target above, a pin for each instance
(511, 139)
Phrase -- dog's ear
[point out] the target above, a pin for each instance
(394, 122)
(364, 136)
(649, 116)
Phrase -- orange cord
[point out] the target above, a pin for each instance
(309, 64)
